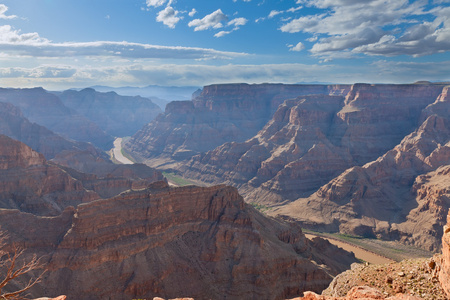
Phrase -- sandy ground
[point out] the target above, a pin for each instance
(359, 252)
(117, 152)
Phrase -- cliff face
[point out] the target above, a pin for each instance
(199, 242)
(31, 184)
(403, 195)
(444, 275)
(47, 110)
(39, 138)
(151, 240)
(312, 139)
(219, 114)
(117, 115)
(291, 155)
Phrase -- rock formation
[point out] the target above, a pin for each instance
(444, 275)
(46, 109)
(117, 115)
(219, 114)
(39, 138)
(198, 242)
(151, 240)
(312, 139)
(403, 195)
(31, 184)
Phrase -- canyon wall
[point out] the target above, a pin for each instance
(31, 184)
(198, 242)
(403, 195)
(146, 239)
(219, 114)
(16, 126)
(46, 109)
(311, 139)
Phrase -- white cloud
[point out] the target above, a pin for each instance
(155, 3)
(192, 12)
(3, 10)
(374, 27)
(274, 13)
(238, 22)
(8, 35)
(222, 33)
(142, 74)
(168, 17)
(213, 20)
(297, 48)
(32, 45)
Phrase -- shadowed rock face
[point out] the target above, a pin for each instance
(39, 138)
(403, 195)
(221, 113)
(45, 109)
(31, 184)
(117, 115)
(204, 243)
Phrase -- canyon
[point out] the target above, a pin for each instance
(350, 159)
(366, 160)
(121, 237)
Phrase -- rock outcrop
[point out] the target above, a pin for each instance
(403, 195)
(444, 275)
(219, 114)
(199, 242)
(117, 115)
(46, 109)
(358, 292)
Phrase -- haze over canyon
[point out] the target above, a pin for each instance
(370, 161)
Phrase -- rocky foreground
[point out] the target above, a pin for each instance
(115, 235)
(418, 279)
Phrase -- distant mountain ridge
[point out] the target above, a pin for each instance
(117, 115)
(46, 109)
(160, 95)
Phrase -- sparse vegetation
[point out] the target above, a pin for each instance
(177, 180)
(262, 208)
(12, 266)
(390, 249)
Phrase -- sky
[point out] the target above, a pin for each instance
(60, 44)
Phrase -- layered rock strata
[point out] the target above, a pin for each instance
(151, 240)
(219, 114)
(199, 242)
(403, 195)
(31, 184)
(312, 139)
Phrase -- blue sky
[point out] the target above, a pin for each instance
(61, 44)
